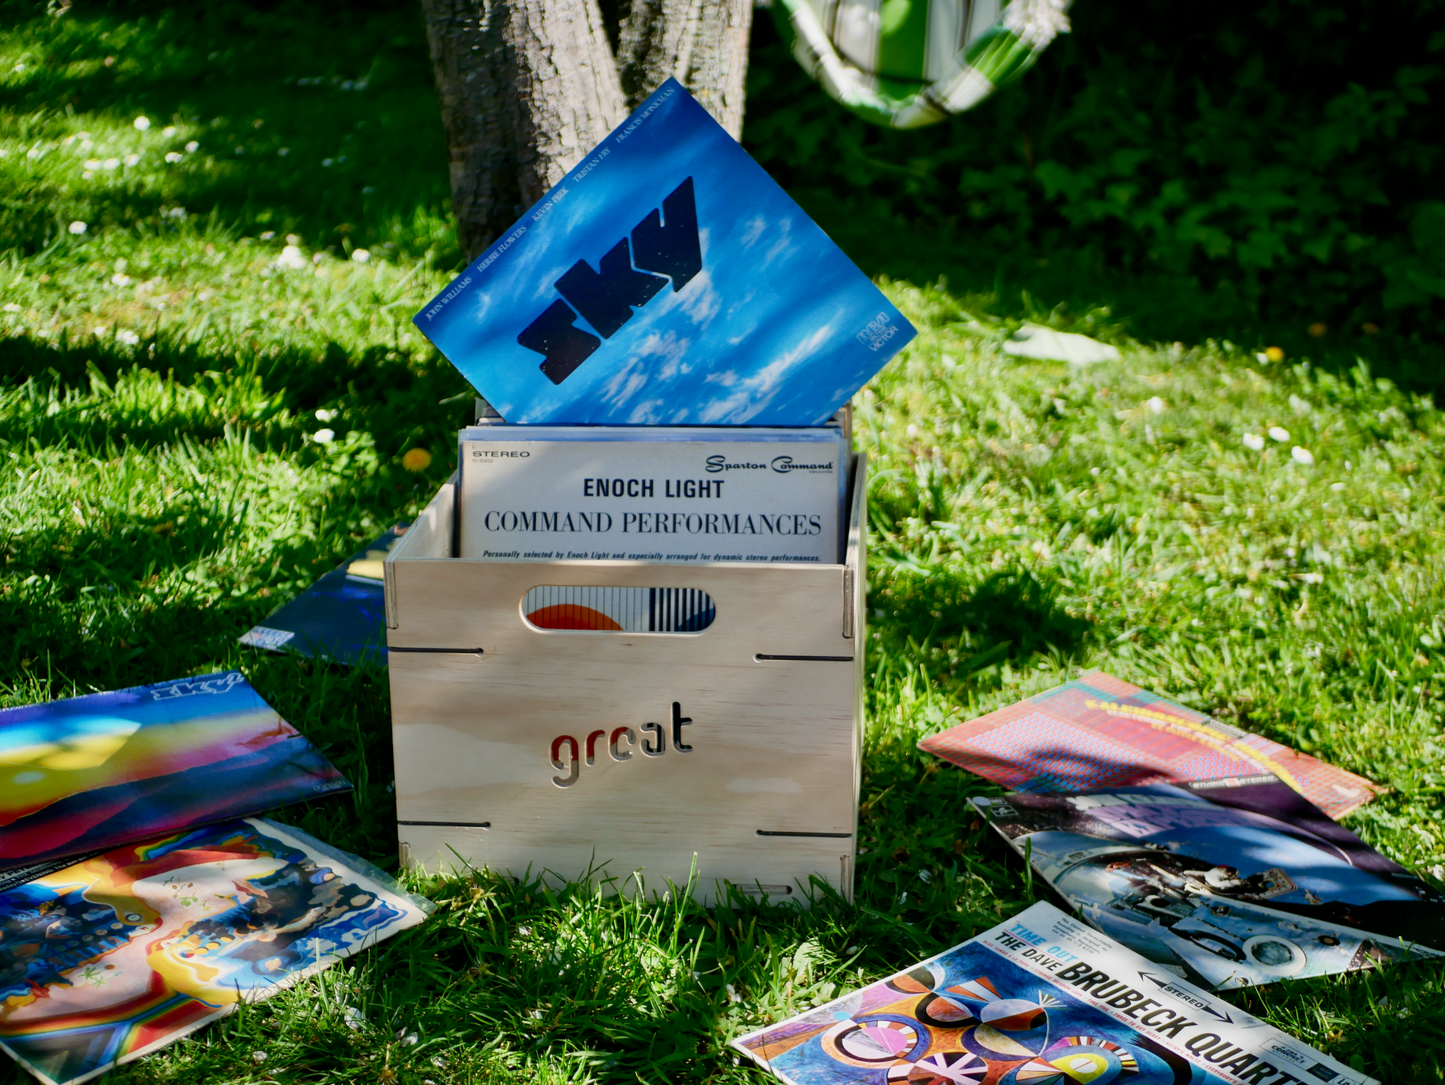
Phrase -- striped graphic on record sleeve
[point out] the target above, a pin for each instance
(619, 610)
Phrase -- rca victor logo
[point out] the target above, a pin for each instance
(567, 752)
(665, 245)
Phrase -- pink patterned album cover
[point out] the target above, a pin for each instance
(1099, 731)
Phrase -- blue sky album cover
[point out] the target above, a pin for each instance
(667, 280)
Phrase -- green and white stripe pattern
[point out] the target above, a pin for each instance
(908, 63)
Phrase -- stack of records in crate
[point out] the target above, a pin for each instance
(666, 343)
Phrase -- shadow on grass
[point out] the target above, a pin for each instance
(956, 626)
(302, 127)
(399, 402)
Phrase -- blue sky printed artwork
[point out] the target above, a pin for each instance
(607, 303)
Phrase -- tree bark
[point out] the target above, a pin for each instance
(703, 43)
(529, 86)
(526, 87)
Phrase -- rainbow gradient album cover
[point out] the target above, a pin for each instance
(87, 773)
(120, 954)
(667, 280)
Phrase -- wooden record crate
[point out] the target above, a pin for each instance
(762, 789)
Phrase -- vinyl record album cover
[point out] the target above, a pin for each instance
(1236, 882)
(86, 773)
(342, 617)
(118, 955)
(679, 494)
(1098, 731)
(1040, 999)
(666, 280)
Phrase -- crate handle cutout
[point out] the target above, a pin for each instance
(578, 607)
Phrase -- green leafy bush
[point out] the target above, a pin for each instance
(1282, 152)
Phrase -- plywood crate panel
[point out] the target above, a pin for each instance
(764, 795)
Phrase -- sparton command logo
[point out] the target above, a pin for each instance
(664, 245)
(568, 757)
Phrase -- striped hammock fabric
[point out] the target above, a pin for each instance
(909, 63)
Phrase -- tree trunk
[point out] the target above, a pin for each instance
(529, 86)
(703, 43)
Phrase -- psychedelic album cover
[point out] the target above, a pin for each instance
(128, 951)
(342, 617)
(1098, 731)
(1041, 999)
(667, 280)
(87, 773)
(1253, 887)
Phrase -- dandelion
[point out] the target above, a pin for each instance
(353, 1017)
(110, 164)
(77, 227)
(174, 156)
(1254, 441)
(92, 163)
(1155, 405)
(141, 123)
(1302, 456)
(416, 459)
(291, 258)
(324, 436)
(1279, 433)
(1273, 354)
(361, 256)
(192, 147)
(323, 415)
(168, 131)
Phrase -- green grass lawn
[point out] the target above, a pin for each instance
(165, 373)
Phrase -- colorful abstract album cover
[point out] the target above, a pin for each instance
(1041, 999)
(1098, 731)
(121, 954)
(667, 280)
(619, 610)
(87, 773)
(1253, 887)
(342, 617)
